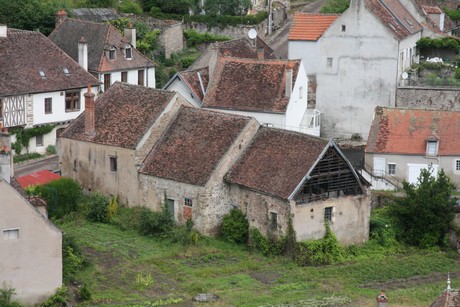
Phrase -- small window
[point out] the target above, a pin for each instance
(328, 214)
(273, 220)
(66, 71)
(75, 165)
(39, 140)
(72, 101)
(140, 77)
(188, 202)
(431, 148)
(301, 92)
(113, 164)
(329, 62)
(107, 81)
(457, 165)
(124, 76)
(48, 105)
(11, 234)
(112, 54)
(391, 168)
(128, 53)
(344, 28)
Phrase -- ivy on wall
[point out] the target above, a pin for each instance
(24, 135)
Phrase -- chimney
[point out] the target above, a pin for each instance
(90, 125)
(3, 30)
(130, 34)
(260, 53)
(83, 53)
(288, 82)
(214, 47)
(382, 300)
(61, 15)
(441, 21)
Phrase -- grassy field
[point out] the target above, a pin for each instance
(127, 269)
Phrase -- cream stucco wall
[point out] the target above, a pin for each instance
(32, 263)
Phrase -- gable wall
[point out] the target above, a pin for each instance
(180, 87)
(298, 103)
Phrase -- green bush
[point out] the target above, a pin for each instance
(234, 227)
(267, 246)
(98, 208)
(382, 228)
(437, 43)
(185, 235)
(6, 296)
(129, 6)
(155, 223)
(195, 38)
(51, 150)
(457, 73)
(335, 6)
(128, 218)
(72, 258)
(25, 157)
(62, 196)
(57, 299)
(84, 293)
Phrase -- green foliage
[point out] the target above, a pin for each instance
(156, 223)
(457, 73)
(194, 38)
(226, 7)
(100, 3)
(129, 6)
(51, 150)
(453, 14)
(72, 258)
(25, 157)
(128, 218)
(149, 43)
(324, 251)
(62, 196)
(57, 299)
(180, 7)
(97, 208)
(6, 296)
(185, 235)
(423, 216)
(112, 208)
(382, 227)
(267, 246)
(143, 282)
(335, 6)
(234, 227)
(23, 136)
(438, 43)
(84, 293)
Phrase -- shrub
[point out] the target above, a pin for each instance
(128, 218)
(57, 299)
(155, 223)
(84, 293)
(195, 38)
(97, 208)
(6, 296)
(25, 157)
(62, 196)
(129, 6)
(267, 246)
(72, 258)
(51, 150)
(457, 73)
(112, 208)
(234, 227)
(185, 235)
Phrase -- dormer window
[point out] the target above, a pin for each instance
(41, 72)
(112, 54)
(66, 71)
(128, 52)
(432, 148)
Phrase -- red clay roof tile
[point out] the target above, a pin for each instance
(310, 27)
(38, 178)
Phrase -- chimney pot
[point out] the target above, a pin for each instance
(83, 53)
(130, 34)
(61, 16)
(3, 30)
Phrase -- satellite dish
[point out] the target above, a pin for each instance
(405, 75)
(252, 33)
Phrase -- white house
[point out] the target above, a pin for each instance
(39, 84)
(357, 57)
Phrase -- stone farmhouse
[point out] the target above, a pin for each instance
(404, 141)
(105, 146)
(103, 51)
(39, 84)
(30, 247)
(358, 59)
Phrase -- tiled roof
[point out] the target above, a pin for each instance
(100, 37)
(24, 53)
(38, 178)
(250, 85)
(192, 146)
(405, 131)
(276, 161)
(123, 114)
(310, 27)
(447, 299)
(193, 81)
(395, 17)
(431, 7)
(96, 14)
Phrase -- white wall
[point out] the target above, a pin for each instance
(298, 102)
(149, 77)
(180, 87)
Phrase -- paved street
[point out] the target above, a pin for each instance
(51, 164)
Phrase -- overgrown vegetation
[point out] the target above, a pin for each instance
(25, 157)
(234, 227)
(6, 296)
(335, 6)
(194, 38)
(438, 43)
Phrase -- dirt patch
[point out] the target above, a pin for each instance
(265, 277)
(105, 260)
(410, 282)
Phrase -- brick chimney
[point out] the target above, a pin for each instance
(61, 15)
(288, 90)
(260, 53)
(3, 30)
(130, 34)
(90, 125)
(83, 53)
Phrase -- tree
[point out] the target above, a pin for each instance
(424, 215)
(169, 6)
(226, 7)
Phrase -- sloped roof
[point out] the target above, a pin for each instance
(193, 81)
(395, 17)
(276, 161)
(191, 148)
(123, 114)
(24, 53)
(250, 85)
(37, 178)
(100, 37)
(426, 7)
(96, 14)
(405, 131)
(310, 27)
(447, 299)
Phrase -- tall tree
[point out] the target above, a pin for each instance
(425, 213)
(226, 7)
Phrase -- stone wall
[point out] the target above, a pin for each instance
(425, 97)
(230, 31)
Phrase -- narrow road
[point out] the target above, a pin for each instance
(51, 164)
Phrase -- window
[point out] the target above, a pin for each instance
(113, 164)
(391, 168)
(329, 62)
(140, 77)
(72, 101)
(66, 71)
(301, 92)
(48, 105)
(457, 165)
(273, 220)
(431, 148)
(344, 28)
(188, 202)
(39, 140)
(328, 214)
(124, 76)
(128, 53)
(11, 234)
(41, 72)
(112, 54)
(107, 81)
